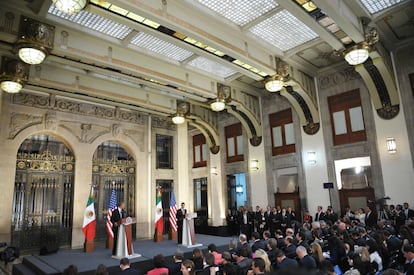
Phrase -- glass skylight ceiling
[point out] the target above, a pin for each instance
(161, 47)
(283, 30)
(374, 6)
(240, 12)
(211, 67)
(94, 22)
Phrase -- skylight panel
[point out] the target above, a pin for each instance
(211, 67)
(161, 47)
(94, 22)
(374, 6)
(283, 30)
(240, 12)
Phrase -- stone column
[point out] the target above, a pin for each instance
(217, 185)
(258, 182)
(183, 188)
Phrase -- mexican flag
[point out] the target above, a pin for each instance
(159, 223)
(89, 220)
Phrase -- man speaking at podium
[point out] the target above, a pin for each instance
(117, 215)
(181, 214)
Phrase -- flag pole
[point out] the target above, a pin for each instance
(109, 239)
(89, 245)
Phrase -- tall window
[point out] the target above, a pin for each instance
(164, 152)
(199, 151)
(234, 142)
(282, 132)
(201, 201)
(347, 118)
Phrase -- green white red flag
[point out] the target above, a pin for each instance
(89, 219)
(159, 222)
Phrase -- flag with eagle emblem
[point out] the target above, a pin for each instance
(89, 220)
(159, 222)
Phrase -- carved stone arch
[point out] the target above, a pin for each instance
(304, 107)
(381, 86)
(208, 131)
(248, 124)
(36, 130)
(126, 139)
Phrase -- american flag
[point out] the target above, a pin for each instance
(173, 212)
(112, 206)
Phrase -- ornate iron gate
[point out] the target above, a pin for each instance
(43, 194)
(113, 168)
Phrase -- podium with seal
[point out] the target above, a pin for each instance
(189, 232)
(124, 248)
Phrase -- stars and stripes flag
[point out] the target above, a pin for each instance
(89, 219)
(173, 212)
(112, 206)
(159, 222)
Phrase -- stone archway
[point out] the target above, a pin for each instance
(42, 213)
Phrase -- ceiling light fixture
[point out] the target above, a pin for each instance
(14, 74)
(218, 105)
(70, 6)
(183, 109)
(35, 40)
(276, 82)
(223, 96)
(178, 119)
(359, 53)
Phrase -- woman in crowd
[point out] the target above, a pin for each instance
(316, 253)
(198, 259)
(188, 267)
(260, 253)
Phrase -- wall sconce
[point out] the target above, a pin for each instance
(391, 146)
(213, 171)
(183, 109)
(70, 6)
(14, 74)
(35, 40)
(312, 158)
(275, 83)
(254, 164)
(223, 96)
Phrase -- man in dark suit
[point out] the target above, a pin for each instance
(175, 268)
(125, 267)
(408, 213)
(285, 263)
(305, 261)
(117, 215)
(408, 251)
(371, 216)
(319, 214)
(181, 214)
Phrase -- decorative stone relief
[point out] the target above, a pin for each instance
(164, 123)
(86, 133)
(136, 136)
(337, 78)
(19, 122)
(50, 121)
(75, 107)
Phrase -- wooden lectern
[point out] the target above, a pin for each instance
(124, 248)
(189, 232)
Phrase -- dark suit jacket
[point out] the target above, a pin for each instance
(307, 263)
(258, 244)
(181, 216)
(290, 251)
(115, 219)
(287, 263)
(130, 271)
(175, 268)
(371, 219)
(320, 216)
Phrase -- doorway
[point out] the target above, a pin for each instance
(236, 191)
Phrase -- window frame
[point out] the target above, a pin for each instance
(166, 146)
(281, 119)
(344, 102)
(199, 140)
(232, 132)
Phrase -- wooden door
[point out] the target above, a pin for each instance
(355, 198)
(289, 200)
